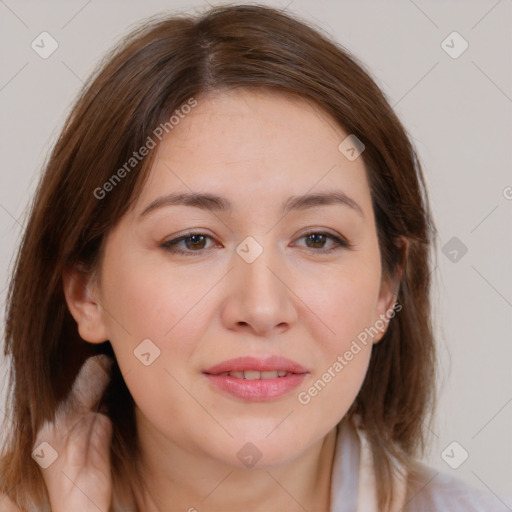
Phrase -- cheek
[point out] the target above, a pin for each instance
(151, 325)
(145, 310)
(147, 300)
(340, 371)
(345, 302)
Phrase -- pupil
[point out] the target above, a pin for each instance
(320, 238)
(196, 239)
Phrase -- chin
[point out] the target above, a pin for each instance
(260, 453)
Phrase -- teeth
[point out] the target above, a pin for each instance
(252, 374)
(256, 375)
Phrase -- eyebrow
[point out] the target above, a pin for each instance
(215, 203)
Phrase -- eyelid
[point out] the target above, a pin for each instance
(340, 242)
(180, 237)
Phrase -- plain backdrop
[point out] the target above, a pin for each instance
(458, 112)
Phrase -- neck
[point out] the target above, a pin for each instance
(182, 480)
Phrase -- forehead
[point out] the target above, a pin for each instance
(254, 146)
(245, 125)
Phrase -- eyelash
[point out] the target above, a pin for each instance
(171, 245)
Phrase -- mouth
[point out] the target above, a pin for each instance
(256, 375)
(252, 379)
(253, 368)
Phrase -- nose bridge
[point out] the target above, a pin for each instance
(260, 297)
(256, 265)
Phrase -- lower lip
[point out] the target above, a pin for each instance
(258, 390)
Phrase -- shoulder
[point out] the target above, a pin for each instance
(431, 490)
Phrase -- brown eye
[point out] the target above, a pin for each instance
(317, 241)
(193, 242)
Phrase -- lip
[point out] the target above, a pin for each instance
(258, 390)
(271, 363)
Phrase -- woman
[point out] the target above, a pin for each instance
(232, 232)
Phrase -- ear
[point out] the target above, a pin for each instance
(80, 292)
(388, 294)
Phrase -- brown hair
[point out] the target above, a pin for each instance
(139, 84)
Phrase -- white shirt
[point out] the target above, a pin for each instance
(353, 484)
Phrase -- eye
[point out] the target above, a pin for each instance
(317, 239)
(194, 242)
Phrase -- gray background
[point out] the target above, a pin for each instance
(458, 112)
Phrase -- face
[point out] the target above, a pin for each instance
(253, 274)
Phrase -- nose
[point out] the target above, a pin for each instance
(260, 297)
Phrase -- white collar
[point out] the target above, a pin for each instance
(352, 480)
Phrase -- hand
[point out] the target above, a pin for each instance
(80, 477)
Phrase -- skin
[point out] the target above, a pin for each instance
(296, 300)
(81, 437)
(77, 477)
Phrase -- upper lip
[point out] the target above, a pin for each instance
(271, 363)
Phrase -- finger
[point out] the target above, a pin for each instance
(100, 441)
(86, 391)
(88, 442)
(89, 385)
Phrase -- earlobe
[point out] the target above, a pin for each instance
(386, 313)
(84, 307)
(388, 295)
